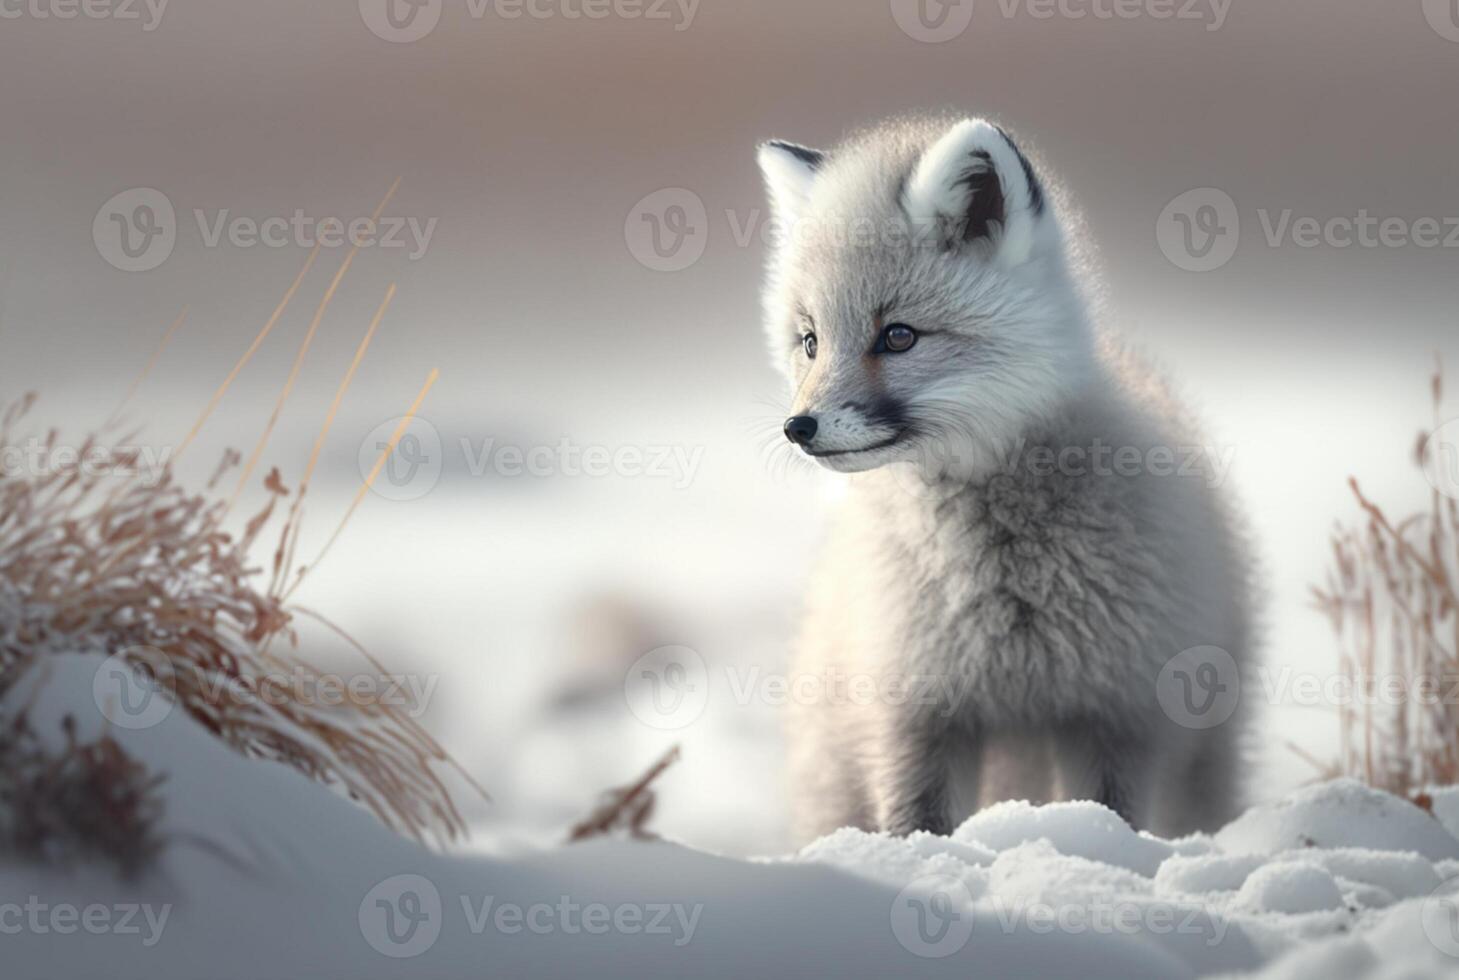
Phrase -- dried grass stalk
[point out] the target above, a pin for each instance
(151, 573)
(1391, 600)
(627, 809)
(93, 564)
(83, 802)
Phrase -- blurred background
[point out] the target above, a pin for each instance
(577, 242)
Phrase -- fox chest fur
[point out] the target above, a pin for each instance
(1033, 596)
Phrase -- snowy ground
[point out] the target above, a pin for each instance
(270, 876)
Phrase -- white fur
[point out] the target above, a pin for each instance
(788, 179)
(1052, 601)
(935, 192)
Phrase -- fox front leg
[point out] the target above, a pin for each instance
(914, 792)
(1109, 766)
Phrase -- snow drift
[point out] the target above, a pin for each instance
(269, 875)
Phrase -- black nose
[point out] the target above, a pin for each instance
(800, 430)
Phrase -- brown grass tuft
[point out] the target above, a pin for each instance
(149, 572)
(1391, 600)
(88, 801)
(627, 809)
(90, 563)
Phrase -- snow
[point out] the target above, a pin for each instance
(1079, 829)
(268, 875)
(1194, 874)
(1343, 813)
(1446, 808)
(1291, 887)
(1400, 874)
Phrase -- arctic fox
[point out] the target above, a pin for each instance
(1033, 568)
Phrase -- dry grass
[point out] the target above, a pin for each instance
(1391, 599)
(627, 809)
(152, 573)
(90, 563)
(86, 801)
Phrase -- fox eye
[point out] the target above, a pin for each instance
(896, 338)
(810, 344)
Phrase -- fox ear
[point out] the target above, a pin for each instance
(789, 171)
(975, 185)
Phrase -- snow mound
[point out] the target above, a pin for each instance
(1343, 813)
(1400, 874)
(1292, 887)
(1320, 884)
(898, 860)
(1078, 829)
(1446, 807)
(1207, 872)
(271, 875)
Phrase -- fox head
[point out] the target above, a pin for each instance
(919, 297)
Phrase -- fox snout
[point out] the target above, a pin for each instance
(849, 435)
(801, 430)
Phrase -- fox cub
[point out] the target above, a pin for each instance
(1033, 586)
